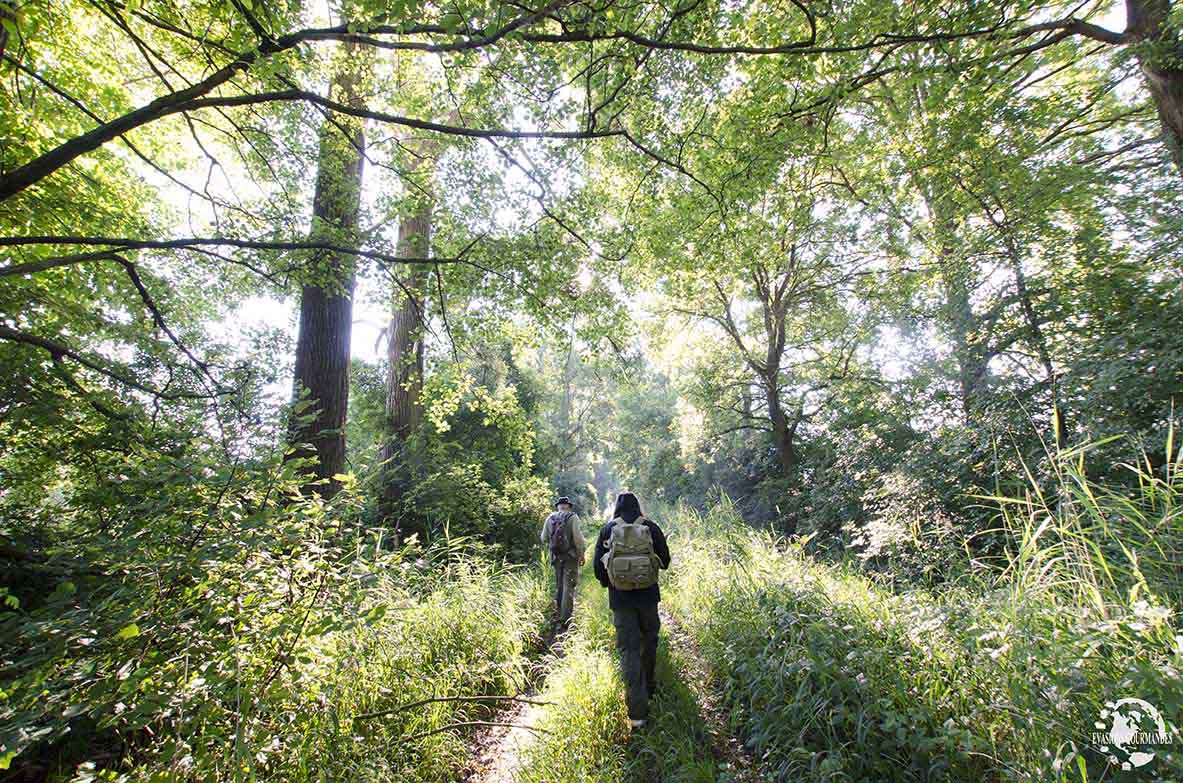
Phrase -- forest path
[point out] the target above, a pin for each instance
(688, 739)
(500, 751)
(503, 748)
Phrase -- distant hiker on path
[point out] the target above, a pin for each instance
(561, 534)
(629, 551)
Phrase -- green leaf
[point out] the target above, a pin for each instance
(375, 614)
(128, 632)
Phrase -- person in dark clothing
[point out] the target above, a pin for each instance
(634, 612)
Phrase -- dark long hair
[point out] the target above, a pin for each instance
(627, 508)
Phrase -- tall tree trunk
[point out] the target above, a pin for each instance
(784, 433)
(404, 352)
(326, 299)
(1162, 65)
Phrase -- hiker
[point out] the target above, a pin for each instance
(561, 534)
(629, 551)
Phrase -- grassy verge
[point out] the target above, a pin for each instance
(836, 678)
(586, 724)
(240, 633)
(469, 637)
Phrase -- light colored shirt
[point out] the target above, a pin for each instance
(576, 531)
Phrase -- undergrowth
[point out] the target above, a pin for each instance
(1000, 675)
(279, 652)
(584, 730)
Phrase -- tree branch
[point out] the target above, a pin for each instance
(57, 352)
(189, 243)
(42, 166)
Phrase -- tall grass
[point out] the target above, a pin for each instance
(999, 676)
(344, 716)
(301, 669)
(586, 725)
(1104, 547)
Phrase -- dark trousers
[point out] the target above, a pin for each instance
(636, 642)
(566, 577)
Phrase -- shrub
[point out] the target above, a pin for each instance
(468, 471)
(908, 534)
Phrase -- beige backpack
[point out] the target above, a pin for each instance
(630, 561)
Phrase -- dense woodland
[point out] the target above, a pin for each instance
(308, 311)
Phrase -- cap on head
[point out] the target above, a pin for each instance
(564, 500)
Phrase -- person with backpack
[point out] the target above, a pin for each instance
(629, 551)
(561, 534)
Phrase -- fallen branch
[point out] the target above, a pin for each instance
(468, 723)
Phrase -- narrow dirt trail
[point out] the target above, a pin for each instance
(503, 748)
(498, 753)
(689, 737)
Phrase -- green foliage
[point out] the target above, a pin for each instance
(470, 468)
(908, 530)
(255, 648)
(174, 606)
(830, 676)
(587, 720)
(942, 245)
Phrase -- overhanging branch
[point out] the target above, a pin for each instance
(124, 243)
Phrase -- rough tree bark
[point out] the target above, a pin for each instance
(404, 352)
(326, 299)
(1162, 64)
